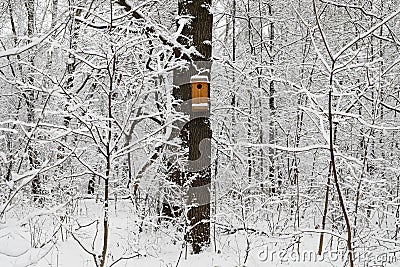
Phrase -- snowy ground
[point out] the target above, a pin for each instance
(156, 246)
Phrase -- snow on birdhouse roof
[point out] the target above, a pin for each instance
(199, 78)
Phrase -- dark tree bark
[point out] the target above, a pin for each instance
(272, 108)
(30, 99)
(196, 134)
(91, 185)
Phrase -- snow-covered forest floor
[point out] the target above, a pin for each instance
(158, 244)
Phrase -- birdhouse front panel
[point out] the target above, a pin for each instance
(199, 93)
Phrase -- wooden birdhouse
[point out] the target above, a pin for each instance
(199, 93)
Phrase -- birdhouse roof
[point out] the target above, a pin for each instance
(199, 78)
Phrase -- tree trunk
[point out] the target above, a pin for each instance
(272, 110)
(196, 134)
(30, 99)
